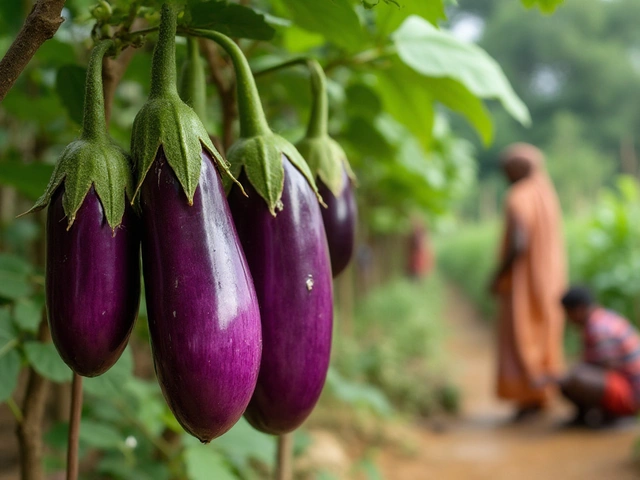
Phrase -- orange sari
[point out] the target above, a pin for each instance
(531, 319)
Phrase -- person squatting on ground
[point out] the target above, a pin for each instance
(605, 384)
(528, 282)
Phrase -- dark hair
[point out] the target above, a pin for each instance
(577, 296)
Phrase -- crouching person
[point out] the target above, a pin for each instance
(605, 385)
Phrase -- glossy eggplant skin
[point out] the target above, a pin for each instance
(92, 284)
(289, 261)
(340, 219)
(203, 312)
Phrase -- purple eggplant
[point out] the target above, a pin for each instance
(289, 261)
(93, 284)
(340, 223)
(203, 312)
(93, 244)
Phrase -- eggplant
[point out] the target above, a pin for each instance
(92, 284)
(93, 267)
(289, 261)
(330, 167)
(203, 312)
(340, 223)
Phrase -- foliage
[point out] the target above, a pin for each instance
(608, 260)
(396, 346)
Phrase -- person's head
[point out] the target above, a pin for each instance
(520, 160)
(578, 302)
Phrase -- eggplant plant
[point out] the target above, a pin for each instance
(204, 318)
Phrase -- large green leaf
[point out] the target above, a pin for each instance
(229, 18)
(390, 16)
(100, 435)
(70, 88)
(45, 360)
(406, 99)
(30, 179)
(435, 53)
(547, 6)
(335, 19)
(455, 96)
(9, 370)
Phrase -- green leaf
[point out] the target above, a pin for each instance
(204, 463)
(435, 53)
(390, 16)
(70, 83)
(547, 6)
(45, 360)
(54, 53)
(406, 99)
(100, 435)
(43, 109)
(30, 179)
(229, 18)
(335, 19)
(112, 382)
(27, 314)
(455, 96)
(9, 370)
(7, 330)
(14, 277)
(363, 100)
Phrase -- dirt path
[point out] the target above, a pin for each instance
(481, 444)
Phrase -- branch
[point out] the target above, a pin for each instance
(29, 431)
(225, 87)
(41, 24)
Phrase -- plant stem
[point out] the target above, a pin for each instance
(284, 467)
(7, 347)
(163, 66)
(193, 85)
(74, 427)
(318, 121)
(94, 125)
(253, 122)
(29, 431)
(41, 24)
(15, 409)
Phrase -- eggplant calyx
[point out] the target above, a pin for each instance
(85, 163)
(93, 159)
(326, 160)
(166, 121)
(261, 158)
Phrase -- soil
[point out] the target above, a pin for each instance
(482, 443)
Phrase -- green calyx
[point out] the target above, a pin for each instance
(193, 84)
(324, 155)
(259, 151)
(93, 159)
(166, 121)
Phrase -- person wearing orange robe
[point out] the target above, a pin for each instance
(529, 283)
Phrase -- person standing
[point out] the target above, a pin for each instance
(528, 283)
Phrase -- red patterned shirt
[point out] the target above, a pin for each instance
(610, 341)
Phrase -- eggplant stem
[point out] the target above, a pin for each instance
(319, 118)
(94, 124)
(163, 62)
(284, 463)
(74, 427)
(253, 122)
